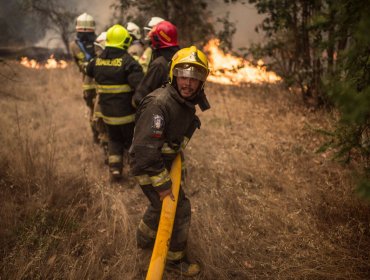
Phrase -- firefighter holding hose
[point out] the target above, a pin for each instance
(165, 121)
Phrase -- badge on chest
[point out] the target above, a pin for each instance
(157, 126)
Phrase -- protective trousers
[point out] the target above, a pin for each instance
(146, 232)
(99, 124)
(120, 138)
(89, 96)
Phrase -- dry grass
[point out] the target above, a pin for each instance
(265, 205)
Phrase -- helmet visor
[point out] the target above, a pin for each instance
(190, 71)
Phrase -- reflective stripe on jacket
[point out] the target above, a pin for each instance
(116, 75)
(113, 88)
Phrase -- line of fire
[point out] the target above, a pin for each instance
(225, 68)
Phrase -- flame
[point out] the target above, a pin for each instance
(51, 63)
(30, 63)
(231, 70)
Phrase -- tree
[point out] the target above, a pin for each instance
(349, 88)
(323, 47)
(19, 28)
(57, 16)
(226, 34)
(294, 31)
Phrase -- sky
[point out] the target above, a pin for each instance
(244, 16)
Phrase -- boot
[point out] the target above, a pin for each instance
(145, 236)
(144, 242)
(115, 174)
(183, 267)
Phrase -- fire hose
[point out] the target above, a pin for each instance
(166, 221)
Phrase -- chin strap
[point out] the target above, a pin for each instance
(201, 100)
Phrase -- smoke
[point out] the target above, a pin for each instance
(18, 28)
(245, 18)
(23, 29)
(101, 11)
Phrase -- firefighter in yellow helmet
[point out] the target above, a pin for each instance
(165, 122)
(82, 50)
(116, 75)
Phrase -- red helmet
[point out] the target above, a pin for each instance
(163, 35)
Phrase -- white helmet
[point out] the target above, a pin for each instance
(152, 22)
(100, 40)
(134, 30)
(85, 23)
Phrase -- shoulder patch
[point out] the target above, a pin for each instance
(157, 126)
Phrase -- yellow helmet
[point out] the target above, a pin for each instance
(118, 37)
(189, 62)
(85, 23)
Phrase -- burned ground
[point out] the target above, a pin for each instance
(265, 205)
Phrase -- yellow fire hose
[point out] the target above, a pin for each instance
(164, 232)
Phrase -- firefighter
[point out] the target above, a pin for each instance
(116, 75)
(165, 122)
(164, 43)
(82, 49)
(147, 54)
(136, 49)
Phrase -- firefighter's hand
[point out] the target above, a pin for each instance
(84, 66)
(163, 194)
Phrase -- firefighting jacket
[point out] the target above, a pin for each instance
(116, 75)
(157, 74)
(165, 123)
(82, 53)
(136, 50)
(145, 58)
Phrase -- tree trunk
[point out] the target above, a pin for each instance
(306, 57)
(331, 39)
